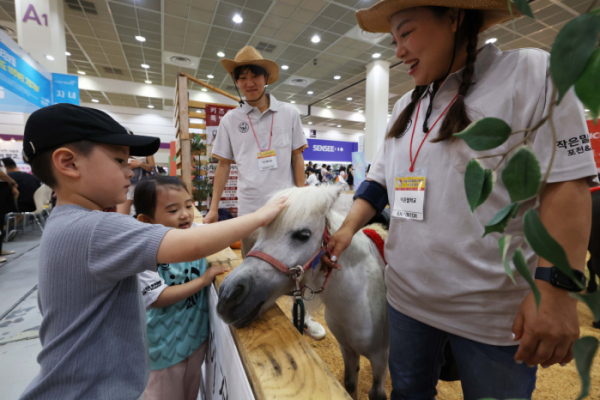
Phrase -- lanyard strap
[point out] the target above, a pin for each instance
(270, 137)
(412, 162)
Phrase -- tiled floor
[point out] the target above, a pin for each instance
(20, 317)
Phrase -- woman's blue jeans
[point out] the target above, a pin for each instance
(486, 371)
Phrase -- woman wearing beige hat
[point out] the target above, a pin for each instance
(445, 283)
(264, 137)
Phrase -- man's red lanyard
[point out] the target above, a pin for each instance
(412, 162)
(270, 137)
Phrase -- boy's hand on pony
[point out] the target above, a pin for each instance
(215, 270)
(269, 211)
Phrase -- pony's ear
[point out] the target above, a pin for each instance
(332, 194)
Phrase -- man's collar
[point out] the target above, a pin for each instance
(273, 104)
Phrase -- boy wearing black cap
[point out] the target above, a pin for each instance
(93, 331)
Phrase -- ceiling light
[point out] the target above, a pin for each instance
(149, 82)
(150, 106)
(586, 110)
(349, 98)
(364, 129)
(284, 67)
(81, 72)
(95, 101)
(12, 140)
(237, 18)
(328, 106)
(360, 111)
(67, 53)
(210, 76)
(337, 77)
(204, 89)
(145, 66)
(389, 115)
(492, 40)
(293, 101)
(49, 57)
(315, 39)
(376, 55)
(310, 92)
(221, 54)
(140, 38)
(310, 123)
(339, 126)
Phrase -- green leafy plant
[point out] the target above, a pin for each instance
(574, 62)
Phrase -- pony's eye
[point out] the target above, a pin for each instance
(301, 235)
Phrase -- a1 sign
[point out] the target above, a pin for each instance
(32, 14)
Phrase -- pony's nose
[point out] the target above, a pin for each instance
(229, 299)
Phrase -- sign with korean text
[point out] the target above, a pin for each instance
(22, 75)
(595, 141)
(14, 149)
(214, 115)
(65, 89)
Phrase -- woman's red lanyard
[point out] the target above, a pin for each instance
(412, 162)
(270, 137)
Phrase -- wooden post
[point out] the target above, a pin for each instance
(184, 131)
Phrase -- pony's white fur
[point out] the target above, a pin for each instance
(355, 304)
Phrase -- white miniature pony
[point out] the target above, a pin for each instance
(354, 299)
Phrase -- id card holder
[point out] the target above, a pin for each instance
(267, 160)
(409, 194)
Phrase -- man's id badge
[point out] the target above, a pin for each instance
(409, 194)
(267, 160)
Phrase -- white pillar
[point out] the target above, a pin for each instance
(376, 110)
(41, 32)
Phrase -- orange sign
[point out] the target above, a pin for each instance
(595, 141)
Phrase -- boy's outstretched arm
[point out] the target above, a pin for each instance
(181, 245)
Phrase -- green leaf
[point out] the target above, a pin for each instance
(523, 6)
(485, 134)
(591, 300)
(584, 350)
(522, 175)
(544, 245)
(500, 221)
(474, 179)
(521, 266)
(571, 50)
(488, 186)
(587, 86)
(504, 244)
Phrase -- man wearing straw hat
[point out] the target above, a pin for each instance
(264, 137)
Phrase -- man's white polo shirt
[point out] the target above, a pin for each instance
(236, 142)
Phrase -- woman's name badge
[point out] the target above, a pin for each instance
(409, 196)
(267, 160)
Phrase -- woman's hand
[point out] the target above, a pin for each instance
(269, 211)
(338, 242)
(211, 217)
(134, 163)
(547, 335)
(215, 270)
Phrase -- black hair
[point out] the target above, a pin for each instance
(144, 196)
(342, 168)
(41, 165)
(255, 69)
(9, 163)
(456, 118)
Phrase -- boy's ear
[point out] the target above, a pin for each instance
(144, 218)
(64, 162)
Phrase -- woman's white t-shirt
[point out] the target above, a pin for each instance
(441, 271)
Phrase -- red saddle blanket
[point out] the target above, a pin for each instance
(374, 236)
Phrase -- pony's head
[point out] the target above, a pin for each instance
(293, 238)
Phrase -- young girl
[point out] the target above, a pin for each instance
(175, 297)
(445, 283)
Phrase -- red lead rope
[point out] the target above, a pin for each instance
(412, 162)
(270, 137)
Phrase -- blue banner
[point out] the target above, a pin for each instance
(358, 162)
(65, 89)
(21, 78)
(329, 150)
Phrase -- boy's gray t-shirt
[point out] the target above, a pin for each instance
(94, 328)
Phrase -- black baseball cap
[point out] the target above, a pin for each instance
(60, 124)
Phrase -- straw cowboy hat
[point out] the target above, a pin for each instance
(377, 18)
(250, 56)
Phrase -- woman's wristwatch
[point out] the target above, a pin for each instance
(559, 279)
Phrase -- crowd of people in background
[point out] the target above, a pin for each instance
(315, 175)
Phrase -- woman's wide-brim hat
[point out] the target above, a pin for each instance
(377, 18)
(250, 56)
